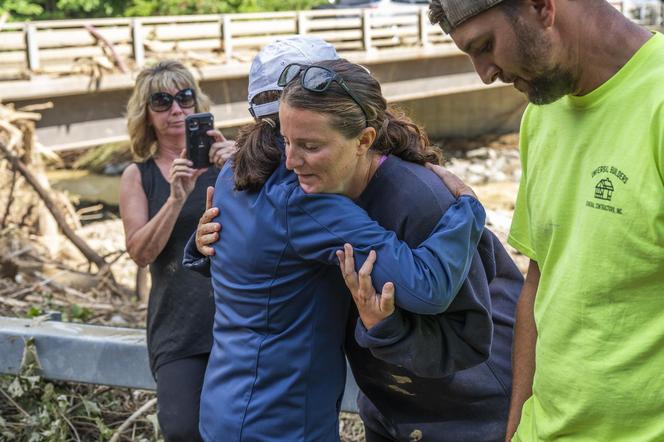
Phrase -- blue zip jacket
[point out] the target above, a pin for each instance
(277, 369)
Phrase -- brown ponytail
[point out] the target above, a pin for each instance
(258, 154)
(399, 135)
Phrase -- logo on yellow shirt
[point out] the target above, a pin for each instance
(604, 189)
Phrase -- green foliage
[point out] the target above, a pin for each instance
(278, 5)
(78, 314)
(60, 9)
(92, 8)
(34, 311)
(40, 411)
(179, 7)
(18, 9)
(33, 409)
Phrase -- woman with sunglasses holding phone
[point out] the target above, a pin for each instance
(161, 198)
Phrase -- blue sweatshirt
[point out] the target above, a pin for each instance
(277, 369)
(444, 377)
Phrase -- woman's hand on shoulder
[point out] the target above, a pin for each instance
(183, 177)
(457, 187)
(207, 232)
(221, 149)
(372, 307)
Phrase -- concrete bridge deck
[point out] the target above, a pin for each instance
(436, 86)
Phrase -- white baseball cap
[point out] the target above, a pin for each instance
(273, 58)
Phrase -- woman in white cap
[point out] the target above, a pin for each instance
(277, 368)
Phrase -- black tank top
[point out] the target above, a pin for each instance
(181, 304)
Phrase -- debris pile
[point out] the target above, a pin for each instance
(43, 270)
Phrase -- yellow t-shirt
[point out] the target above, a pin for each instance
(590, 211)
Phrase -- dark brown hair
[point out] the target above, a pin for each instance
(395, 133)
(258, 154)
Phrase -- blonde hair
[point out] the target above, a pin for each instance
(169, 74)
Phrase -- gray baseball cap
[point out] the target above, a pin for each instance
(458, 11)
(273, 58)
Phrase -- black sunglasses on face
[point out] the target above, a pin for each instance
(317, 79)
(162, 101)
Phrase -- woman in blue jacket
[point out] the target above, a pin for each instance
(276, 372)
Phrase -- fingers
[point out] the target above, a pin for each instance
(349, 278)
(387, 298)
(208, 216)
(207, 233)
(349, 262)
(366, 294)
(208, 239)
(451, 181)
(182, 168)
(209, 193)
(183, 154)
(205, 250)
(220, 152)
(216, 135)
(366, 286)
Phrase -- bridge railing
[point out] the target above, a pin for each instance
(65, 46)
(62, 46)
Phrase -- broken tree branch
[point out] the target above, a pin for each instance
(138, 413)
(117, 60)
(48, 200)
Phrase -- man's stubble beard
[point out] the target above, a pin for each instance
(548, 83)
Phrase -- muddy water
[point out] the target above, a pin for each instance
(86, 186)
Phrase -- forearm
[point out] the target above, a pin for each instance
(426, 278)
(146, 243)
(440, 264)
(523, 351)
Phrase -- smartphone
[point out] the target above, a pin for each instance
(198, 141)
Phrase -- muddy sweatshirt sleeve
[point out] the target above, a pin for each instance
(426, 278)
(435, 346)
(194, 260)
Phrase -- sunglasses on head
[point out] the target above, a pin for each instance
(162, 101)
(317, 79)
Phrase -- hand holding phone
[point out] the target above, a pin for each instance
(198, 141)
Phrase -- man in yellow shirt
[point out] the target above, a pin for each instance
(588, 358)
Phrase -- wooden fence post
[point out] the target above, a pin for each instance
(301, 23)
(228, 40)
(366, 29)
(137, 42)
(32, 47)
(424, 28)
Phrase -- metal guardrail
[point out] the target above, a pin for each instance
(56, 46)
(90, 354)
